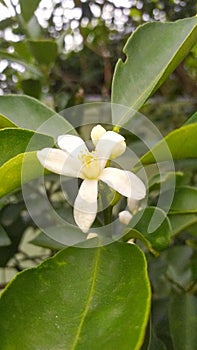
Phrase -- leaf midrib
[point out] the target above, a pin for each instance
(89, 299)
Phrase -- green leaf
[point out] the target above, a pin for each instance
(44, 51)
(42, 240)
(192, 119)
(179, 270)
(5, 122)
(32, 87)
(15, 226)
(4, 239)
(27, 112)
(16, 141)
(135, 234)
(183, 321)
(10, 172)
(152, 52)
(28, 8)
(80, 299)
(184, 201)
(172, 145)
(154, 225)
(181, 222)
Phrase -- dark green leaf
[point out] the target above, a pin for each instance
(28, 8)
(154, 225)
(4, 239)
(184, 201)
(44, 51)
(181, 222)
(80, 299)
(16, 141)
(32, 87)
(183, 321)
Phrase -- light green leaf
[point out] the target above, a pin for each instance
(183, 321)
(44, 51)
(28, 8)
(4, 239)
(80, 299)
(182, 143)
(154, 225)
(16, 141)
(5, 122)
(27, 112)
(152, 52)
(10, 172)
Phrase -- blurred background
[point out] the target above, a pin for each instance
(63, 52)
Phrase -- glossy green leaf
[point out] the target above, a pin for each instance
(182, 143)
(192, 119)
(16, 141)
(44, 51)
(184, 201)
(4, 239)
(80, 299)
(27, 112)
(10, 172)
(183, 321)
(28, 8)
(146, 222)
(181, 222)
(152, 52)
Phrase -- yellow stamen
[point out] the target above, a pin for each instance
(90, 165)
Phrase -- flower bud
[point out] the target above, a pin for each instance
(125, 217)
(96, 133)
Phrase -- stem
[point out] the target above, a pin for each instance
(107, 214)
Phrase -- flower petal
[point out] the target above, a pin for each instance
(110, 144)
(72, 144)
(59, 162)
(85, 206)
(125, 182)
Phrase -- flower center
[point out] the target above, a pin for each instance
(90, 165)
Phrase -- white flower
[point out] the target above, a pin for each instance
(75, 160)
